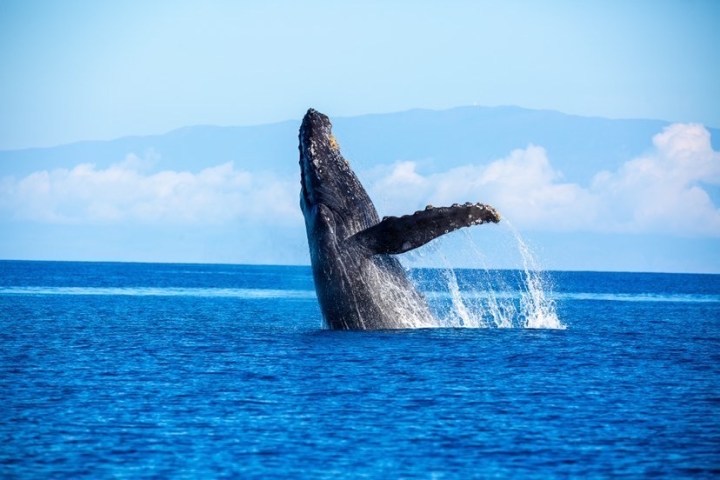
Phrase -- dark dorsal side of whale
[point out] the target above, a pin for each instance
(360, 285)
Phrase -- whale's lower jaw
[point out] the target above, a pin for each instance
(360, 285)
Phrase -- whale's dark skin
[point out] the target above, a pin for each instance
(359, 284)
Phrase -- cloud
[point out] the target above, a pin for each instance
(124, 192)
(523, 186)
(663, 191)
(660, 192)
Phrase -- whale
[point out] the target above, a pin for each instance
(360, 284)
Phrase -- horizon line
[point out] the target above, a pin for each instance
(307, 265)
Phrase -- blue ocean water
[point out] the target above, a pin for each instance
(203, 371)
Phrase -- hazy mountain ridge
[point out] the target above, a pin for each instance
(577, 146)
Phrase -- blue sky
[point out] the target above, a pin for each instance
(88, 70)
(81, 69)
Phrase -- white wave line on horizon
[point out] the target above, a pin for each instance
(432, 295)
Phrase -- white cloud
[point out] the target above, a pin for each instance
(662, 191)
(523, 186)
(658, 192)
(125, 193)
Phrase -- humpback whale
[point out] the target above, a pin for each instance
(360, 285)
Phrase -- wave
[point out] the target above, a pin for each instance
(640, 297)
(256, 293)
(586, 296)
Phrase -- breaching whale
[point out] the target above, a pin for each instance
(359, 284)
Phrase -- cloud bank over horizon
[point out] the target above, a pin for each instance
(661, 192)
(126, 193)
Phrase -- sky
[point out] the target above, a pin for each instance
(85, 70)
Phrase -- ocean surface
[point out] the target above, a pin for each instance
(111, 370)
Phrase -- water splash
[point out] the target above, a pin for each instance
(486, 298)
(407, 310)
(460, 315)
(538, 310)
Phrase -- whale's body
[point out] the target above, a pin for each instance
(359, 284)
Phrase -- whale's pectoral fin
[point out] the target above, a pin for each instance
(400, 234)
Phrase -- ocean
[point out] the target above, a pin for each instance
(121, 370)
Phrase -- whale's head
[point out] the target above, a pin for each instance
(331, 192)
